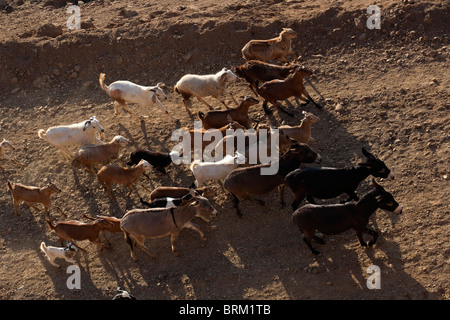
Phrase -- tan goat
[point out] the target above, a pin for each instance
(29, 195)
(113, 173)
(302, 132)
(271, 49)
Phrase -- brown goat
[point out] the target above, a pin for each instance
(113, 173)
(114, 227)
(253, 71)
(292, 86)
(231, 125)
(29, 195)
(77, 230)
(219, 118)
(271, 49)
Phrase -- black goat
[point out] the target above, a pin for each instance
(338, 218)
(159, 160)
(326, 183)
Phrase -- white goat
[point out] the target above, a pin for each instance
(66, 253)
(204, 86)
(125, 91)
(90, 155)
(206, 171)
(4, 146)
(78, 134)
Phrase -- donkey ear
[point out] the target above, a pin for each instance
(368, 154)
(375, 184)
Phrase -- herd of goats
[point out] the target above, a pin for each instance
(172, 208)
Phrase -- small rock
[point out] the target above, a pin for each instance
(127, 13)
(362, 37)
(56, 72)
(339, 107)
(187, 56)
(88, 84)
(14, 81)
(49, 30)
(15, 90)
(77, 68)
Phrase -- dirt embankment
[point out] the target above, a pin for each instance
(386, 90)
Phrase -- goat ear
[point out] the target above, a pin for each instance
(154, 98)
(86, 124)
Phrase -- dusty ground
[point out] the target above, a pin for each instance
(386, 90)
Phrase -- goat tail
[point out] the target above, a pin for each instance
(50, 224)
(43, 247)
(201, 115)
(42, 134)
(101, 80)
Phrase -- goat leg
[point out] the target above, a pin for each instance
(276, 104)
(232, 97)
(34, 207)
(209, 106)
(266, 110)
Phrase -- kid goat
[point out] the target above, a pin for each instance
(338, 218)
(326, 183)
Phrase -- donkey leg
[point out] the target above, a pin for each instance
(374, 235)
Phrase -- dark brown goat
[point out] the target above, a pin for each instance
(292, 86)
(253, 71)
(243, 183)
(219, 118)
(338, 218)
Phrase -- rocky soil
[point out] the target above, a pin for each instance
(386, 90)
